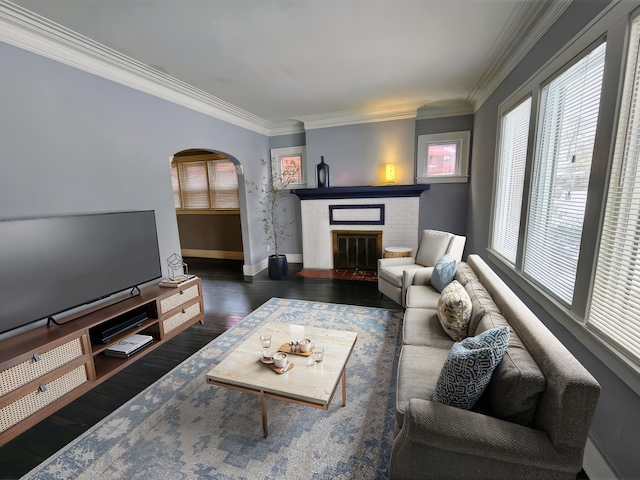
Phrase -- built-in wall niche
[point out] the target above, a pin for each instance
(357, 249)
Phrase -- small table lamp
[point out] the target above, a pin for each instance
(390, 173)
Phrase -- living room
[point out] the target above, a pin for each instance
(76, 142)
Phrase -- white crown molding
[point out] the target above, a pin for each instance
(452, 108)
(527, 25)
(21, 28)
(285, 127)
(354, 117)
(24, 29)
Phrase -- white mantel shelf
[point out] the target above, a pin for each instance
(366, 191)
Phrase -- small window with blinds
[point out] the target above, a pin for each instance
(512, 160)
(204, 184)
(569, 106)
(614, 311)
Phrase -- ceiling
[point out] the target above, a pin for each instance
(312, 61)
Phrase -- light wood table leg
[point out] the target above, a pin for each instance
(344, 387)
(265, 428)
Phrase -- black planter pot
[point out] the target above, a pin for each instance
(278, 267)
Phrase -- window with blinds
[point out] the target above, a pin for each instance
(204, 184)
(224, 184)
(514, 139)
(569, 107)
(615, 303)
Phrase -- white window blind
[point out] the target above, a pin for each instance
(177, 201)
(224, 184)
(194, 185)
(203, 185)
(615, 304)
(510, 180)
(562, 165)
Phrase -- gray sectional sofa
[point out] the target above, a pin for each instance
(532, 421)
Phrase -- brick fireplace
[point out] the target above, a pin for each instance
(391, 212)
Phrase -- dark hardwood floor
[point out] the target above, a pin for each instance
(228, 298)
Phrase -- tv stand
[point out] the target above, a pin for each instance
(49, 366)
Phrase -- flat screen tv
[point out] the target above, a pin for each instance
(53, 264)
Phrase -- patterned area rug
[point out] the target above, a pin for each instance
(182, 428)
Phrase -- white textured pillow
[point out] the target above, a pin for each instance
(454, 310)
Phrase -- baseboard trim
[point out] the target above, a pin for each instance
(594, 464)
(221, 254)
(256, 268)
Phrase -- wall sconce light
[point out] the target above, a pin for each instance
(390, 173)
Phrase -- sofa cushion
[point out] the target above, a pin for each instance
(421, 326)
(418, 371)
(454, 310)
(464, 273)
(422, 276)
(482, 303)
(518, 382)
(467, 371)
(422, 296)
(443, 272)
(433, 245)
(393, 274)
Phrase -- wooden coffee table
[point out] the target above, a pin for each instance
(306, 383)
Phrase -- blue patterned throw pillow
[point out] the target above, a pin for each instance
(443, 272)
(467, 371)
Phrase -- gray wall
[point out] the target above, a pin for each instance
(357, 154)
(291, 140)
(444, 205)
(616, 427)
(73, 142)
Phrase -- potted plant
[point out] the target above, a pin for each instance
(271, 192)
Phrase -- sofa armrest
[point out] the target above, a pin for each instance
(392, 262)
(469, 433)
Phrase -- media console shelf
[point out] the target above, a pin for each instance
(49, 366)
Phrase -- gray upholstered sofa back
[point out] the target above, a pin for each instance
(570, 388)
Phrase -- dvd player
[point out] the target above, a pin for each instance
(106, 331)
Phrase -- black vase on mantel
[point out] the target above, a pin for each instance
(322, 174)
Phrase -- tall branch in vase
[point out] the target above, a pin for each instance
(271, 192)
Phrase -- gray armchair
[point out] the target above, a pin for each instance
(396, 274)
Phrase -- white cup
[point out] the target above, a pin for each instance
(279, 359)
(305, 345)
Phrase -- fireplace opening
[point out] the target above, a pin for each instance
(357, 249)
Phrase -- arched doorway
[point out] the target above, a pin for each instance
(206, 191)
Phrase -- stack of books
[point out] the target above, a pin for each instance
(129, 345)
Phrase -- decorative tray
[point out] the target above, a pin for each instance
(292, 349)
(278, 370)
